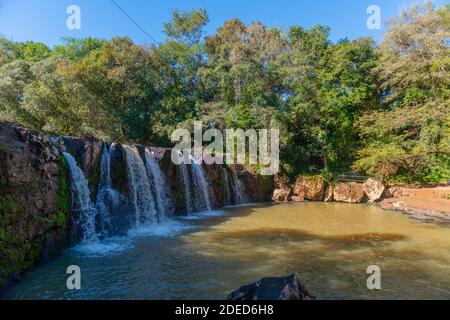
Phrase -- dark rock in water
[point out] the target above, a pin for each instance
(283, 288)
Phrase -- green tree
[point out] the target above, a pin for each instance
(410, 136)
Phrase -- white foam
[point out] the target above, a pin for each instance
(167, 228)
(107, 247)
(203, 215)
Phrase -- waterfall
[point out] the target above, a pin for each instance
(159, 186)
(201, 186)
(238, 189)
(226, 187)
(107, 197)
(140, 188)
(187, 187)
(84, 210)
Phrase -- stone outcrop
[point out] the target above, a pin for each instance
(349, 193)
(282, 195)
(374, 189)
(34, 200)
(310, 188)
(282, 192)
(283, 288)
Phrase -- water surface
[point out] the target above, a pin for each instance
(207, 256)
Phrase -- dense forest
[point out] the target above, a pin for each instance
(378, 109)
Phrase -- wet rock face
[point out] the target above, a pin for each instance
(374, 189)
(283, 288)
(34, 200)
(87, 151)
(349, 192)
(310, 188)
(215, 179)
(257, 188)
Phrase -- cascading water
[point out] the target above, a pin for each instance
(226, 187)
(186, 183)
(159, 186)
(238, 189)
(201, 185)
(140, 188)
(84, 210)
(107, 197)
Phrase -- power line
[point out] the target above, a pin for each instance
(132, 20)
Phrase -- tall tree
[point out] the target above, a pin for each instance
(410, 136)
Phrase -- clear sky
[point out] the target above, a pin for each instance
(45, 20)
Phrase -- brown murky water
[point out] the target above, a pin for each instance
(329, 245)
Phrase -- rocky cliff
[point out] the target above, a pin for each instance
(34, 200)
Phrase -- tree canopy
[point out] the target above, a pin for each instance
(380, 109)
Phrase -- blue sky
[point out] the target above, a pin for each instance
(45, 20)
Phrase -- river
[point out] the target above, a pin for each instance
(206, 256)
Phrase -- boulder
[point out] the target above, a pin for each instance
(374, 189)
(282, 195)
(310, 188)
(283, 288)
(349, 192)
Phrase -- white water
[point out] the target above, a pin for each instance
(226, 187)
(159, 187)
(107, 197)
(84, 210)
(140, 188)
(187, 186)
(238, 189)
(201, 186)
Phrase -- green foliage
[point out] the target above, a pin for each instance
(408, 139)
(63, 213)
(378, 109)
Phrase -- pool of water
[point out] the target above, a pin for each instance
(207, 256)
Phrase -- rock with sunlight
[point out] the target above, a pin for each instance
(310, 188)
(374, 189)
(349, 192)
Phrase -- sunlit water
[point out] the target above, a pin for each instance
(208, 256)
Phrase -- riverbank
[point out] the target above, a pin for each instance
(423, 203)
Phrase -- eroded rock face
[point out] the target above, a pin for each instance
(374, 189)
(310, 188)
(34, 200)
(283, 288)
(349, 192)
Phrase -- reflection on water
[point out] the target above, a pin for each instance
(329, 245)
